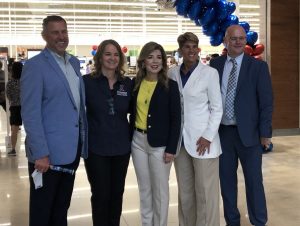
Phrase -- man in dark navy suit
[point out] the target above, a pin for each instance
(246, 126)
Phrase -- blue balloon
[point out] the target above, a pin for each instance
(208, 16)
(245, 25)
(269, 149)
(182, 7)
(230, 7)
(221, 9)
(252, 37)
(217, 39)
(230, 20)
(197, 22)
(211, 29)
(195, 10)
(94, 52)
(209, 2)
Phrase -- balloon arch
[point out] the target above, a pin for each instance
(215, 16)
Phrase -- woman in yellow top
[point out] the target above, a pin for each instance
(156, 124)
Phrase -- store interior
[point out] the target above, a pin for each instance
(131, 23)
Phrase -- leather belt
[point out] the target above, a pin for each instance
(140, 130)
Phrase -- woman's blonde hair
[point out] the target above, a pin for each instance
(147, 49)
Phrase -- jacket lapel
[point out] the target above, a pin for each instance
(220, 68)
(176, 77)
(195, 74)
(243, 72)
(156, 94)
(59, 73)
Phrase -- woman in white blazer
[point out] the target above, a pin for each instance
(197, 163)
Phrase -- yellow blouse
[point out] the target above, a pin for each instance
(143, 101)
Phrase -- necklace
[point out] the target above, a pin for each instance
(148, 93)
(148, 89)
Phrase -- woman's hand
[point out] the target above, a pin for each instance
(168, 157)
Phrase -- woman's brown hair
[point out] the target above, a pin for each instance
(147, 49)
(121, 69)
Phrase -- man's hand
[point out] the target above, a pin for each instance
(42, 165)
(203, 146)
(265, 142)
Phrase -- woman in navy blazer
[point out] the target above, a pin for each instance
(108, 95)
(156, 125)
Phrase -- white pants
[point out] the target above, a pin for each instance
(198, 190)
(153, 180)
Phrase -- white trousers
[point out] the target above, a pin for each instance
(153, 180)
(198, 190)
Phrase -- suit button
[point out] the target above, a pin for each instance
(149, 126)
(75, 108)
(149, 115)
(76, 125)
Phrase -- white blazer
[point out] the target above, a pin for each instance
(202, 109)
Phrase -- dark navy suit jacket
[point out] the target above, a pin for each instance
(254, 99)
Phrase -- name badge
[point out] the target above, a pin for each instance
(122, 92)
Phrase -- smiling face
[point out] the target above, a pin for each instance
(189, 52)
(56, 36)
(110, 58)
(235, 40)
(154, 63)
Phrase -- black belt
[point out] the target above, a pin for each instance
(140, 130)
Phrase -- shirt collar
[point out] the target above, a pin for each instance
(120, 79)
(191, 69)
(59, 57)
(238, 59)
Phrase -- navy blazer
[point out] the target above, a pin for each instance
(254, 99)
(109, 133)
(164, 116)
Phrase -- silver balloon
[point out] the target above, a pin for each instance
(166, 4)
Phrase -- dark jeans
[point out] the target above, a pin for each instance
(106, 175)
(48, 206)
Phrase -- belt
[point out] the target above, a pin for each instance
(140, 130)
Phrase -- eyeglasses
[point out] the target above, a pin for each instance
(234, 39)
(110, 102)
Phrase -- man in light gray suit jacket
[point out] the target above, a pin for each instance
(52, 100)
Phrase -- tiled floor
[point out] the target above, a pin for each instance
(281, 171)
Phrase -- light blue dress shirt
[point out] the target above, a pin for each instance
(70, 74)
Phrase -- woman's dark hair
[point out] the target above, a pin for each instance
(16, 70)
(120, 71)
(147, 49)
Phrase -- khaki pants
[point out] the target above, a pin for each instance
(198, 190)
